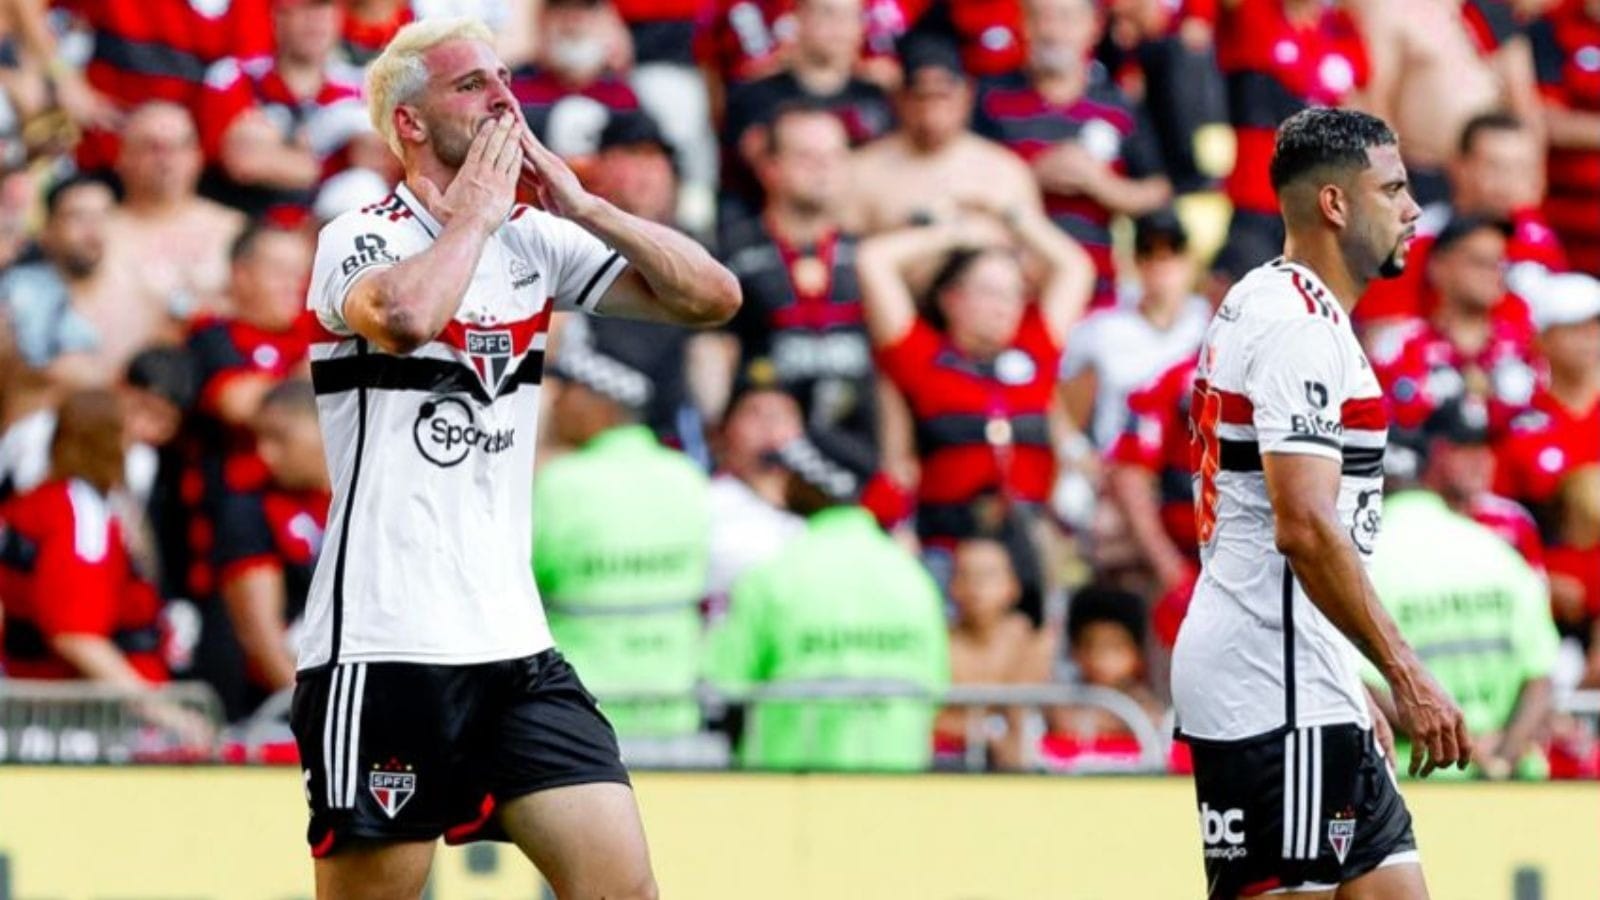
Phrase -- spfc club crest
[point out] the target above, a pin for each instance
(391, 785)
(1341, 834)
(490, 352)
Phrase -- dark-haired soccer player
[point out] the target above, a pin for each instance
(1294, 793)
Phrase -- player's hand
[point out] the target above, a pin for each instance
(485, 187)
(552, 181)
(1438, 732)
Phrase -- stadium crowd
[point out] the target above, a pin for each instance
(945, 440)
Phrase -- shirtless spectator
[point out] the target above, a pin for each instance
(934, 164)
(1461, 349)
(1566, 52)
(1494, 175)
(1435, 65)
(174, 241)
(1092, 151)
(991, 643)
(574, 87)
(274, 127)
(59, 305)
(820, 69)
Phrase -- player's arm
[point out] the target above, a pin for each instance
(401, 307)
(255, 599)
(670, 278)
(1304, 491)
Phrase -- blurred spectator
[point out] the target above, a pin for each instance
(796, 266)
(1562, 429)
(990, 32)
(1493, 176)
(148, 51)
(1461, 349)
(267, 545)
(991, 643)
(841, 602)
(239, 359)
(1566, 51)
(1105, 643)
(157, 392)
(175, 242)
(749, 523)
(369, 25)
(1114, 351)
(1435, 65)
(57, 300)
(572, 90)
(739, 41)
(621, 550)
(933, 163)
(1475, 611)
(1278, 57)
(977, 363)
(1092, 151)
(818, 68)
(1574, 562)
(273, 127)
(75, 604)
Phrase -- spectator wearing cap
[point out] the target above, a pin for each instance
(820, 69)
(174, 242)
(976, 361)
(1475, 611)
(267, 546)
(840, 603)
(749, 522)
(274, 127)
(56, 303)
(1461, 349)
(621, 550)
(1493, 175)
(1561, 430)
(796, 265)
(575, 85)
(1114, 351)
(1091, 149)
(1566, 56)
(934, 163)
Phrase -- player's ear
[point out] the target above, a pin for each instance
(408, 124)
(1333, 203)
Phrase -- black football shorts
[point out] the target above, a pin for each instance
(405, 751)
(1305, 809)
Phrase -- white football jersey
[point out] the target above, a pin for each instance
(1281, 371)
(427, 551)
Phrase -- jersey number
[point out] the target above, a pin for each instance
(1208, 410)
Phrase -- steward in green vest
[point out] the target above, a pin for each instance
(841, 605)
(621, 542)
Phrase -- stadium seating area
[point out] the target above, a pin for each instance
(873, 172)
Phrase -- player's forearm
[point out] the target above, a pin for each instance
(1134, 491)
(412, 301)
(97, 659)
(1131, 196)
(1571, 129)
(272, 166)
(1534, 707)
(687, 282)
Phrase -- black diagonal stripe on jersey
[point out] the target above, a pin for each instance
(1359, 462)
(382, 372)
(962, 430)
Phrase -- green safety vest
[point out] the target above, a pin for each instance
(621, 541)
(841, 602)
(1472, 608)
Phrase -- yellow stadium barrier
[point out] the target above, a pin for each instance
(215, 833)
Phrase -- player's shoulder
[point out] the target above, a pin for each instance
(1278, 294)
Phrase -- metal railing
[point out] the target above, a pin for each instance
(82, 722)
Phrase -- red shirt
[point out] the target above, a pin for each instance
(1420, 367)
(1581, 564)
(1274, 69)
(1566, 51)
(327, 120)
(543, 96)
(1513, 523)
(740, 39)
(1157, 440)
(277, 530)
(981, 426)
(364, 39)
(65, 570)
(1544, 445)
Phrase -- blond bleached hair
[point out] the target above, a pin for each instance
(398, 74)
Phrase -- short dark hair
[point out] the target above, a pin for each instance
(794, 109)
(1497, 120)
(168, 372)
(58, 192)
(1318, 138)
(253, 232)
(1099, 603)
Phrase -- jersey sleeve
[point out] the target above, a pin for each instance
(225, 96)
(581, 267)
(905, 361)
(1296, 384)
(244, 536)
(352, 245)
(76, 566)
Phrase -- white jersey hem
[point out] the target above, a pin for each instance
(435, 659)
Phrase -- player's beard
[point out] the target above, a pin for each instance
(1394, 264)
(450, 144)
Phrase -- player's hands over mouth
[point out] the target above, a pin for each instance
(1438, 732)
(486, 185)
(552, 181)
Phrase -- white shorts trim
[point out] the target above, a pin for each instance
(1399, 858)
(1306, 888)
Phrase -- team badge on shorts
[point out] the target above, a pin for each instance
(1342, 833)
(391, 785)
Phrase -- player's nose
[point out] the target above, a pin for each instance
(500, 98)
